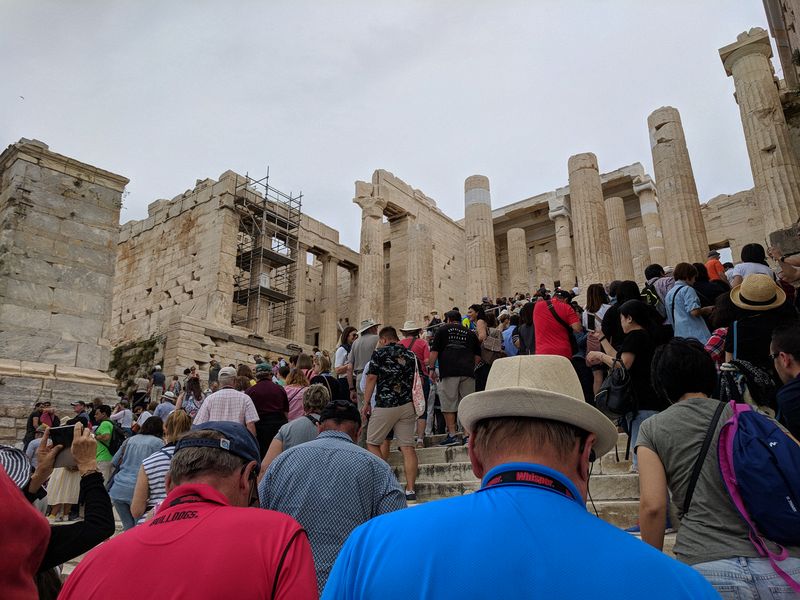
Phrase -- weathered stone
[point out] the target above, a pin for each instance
(592, 244)
(681, 220)
(479, 238)
(775, 166)
(618, 235)
(518, 260)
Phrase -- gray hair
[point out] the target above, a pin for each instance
(226, 380)
(315, 397)
(189, 463)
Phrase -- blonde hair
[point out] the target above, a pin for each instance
(178, 423)
(324, 363)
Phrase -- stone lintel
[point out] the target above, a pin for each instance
(38, 153)
(747, 42)
(21, 368)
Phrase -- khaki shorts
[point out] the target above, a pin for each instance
(452, 390)
(402, 418)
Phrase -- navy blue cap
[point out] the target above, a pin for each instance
(237, 440)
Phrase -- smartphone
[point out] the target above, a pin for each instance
(63, 436)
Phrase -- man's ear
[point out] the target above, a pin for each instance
(168, 482)
(477, 465)
(586, 456)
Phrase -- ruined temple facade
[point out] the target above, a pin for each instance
(228, 271)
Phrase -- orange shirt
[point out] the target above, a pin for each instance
(715, 269)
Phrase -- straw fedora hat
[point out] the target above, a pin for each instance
(410, 326)
(758, 292)
(540, 386)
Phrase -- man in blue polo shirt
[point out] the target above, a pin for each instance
(526, 532)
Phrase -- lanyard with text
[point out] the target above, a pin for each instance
(529, 477)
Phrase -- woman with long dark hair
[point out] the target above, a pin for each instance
(191, 399)
(611, 328)
(477, 318)
(349, 336)
(524, 337)
(635, 354)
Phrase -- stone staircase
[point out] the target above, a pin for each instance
(446, 471)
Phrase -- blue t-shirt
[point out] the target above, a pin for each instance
(508, 344)
(681, 300)
(512, 540)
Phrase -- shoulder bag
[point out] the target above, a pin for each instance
(616, 398)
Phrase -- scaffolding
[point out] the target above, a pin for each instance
(265, 280)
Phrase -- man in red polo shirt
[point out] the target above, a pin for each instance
(207, 541)
(551, 330)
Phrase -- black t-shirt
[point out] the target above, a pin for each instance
(754, 333)
(457, 348)
(639, 343)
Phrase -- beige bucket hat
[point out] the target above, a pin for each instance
(410, 326)
(539, 386)
(758, 292)
(366, 324)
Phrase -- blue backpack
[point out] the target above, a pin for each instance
(760, 466)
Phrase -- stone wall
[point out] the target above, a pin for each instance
(733, 220)
(58, 227)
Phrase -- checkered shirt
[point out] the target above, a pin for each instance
(227, 404)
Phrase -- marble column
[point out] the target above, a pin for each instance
(544, 270)
(328, 329)
(517, 261)
(618, 234)
(419, 271)
(681, 220)
(776, 170)
(651, 221)
(370, 280)
(479, 236)
(592, 243)
(353, 313)
(640, 252)
(301, 285)
(566, 258)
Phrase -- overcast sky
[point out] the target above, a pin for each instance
(324, 93)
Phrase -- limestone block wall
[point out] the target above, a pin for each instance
(345, 298)
(733, 220)
(447, 248)
(178, 261)
(58, 227)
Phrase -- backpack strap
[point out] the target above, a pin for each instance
(701, 457)
(572, 342)
(312, 419)
(735, 339)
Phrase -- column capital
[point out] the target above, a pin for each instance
(643, 184)
(327, 258)
(559, 211)
(371, 206)
(755, 41)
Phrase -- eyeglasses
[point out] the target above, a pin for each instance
(774, 355)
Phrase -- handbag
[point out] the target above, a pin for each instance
(616, 397)
(417, 393)
(492, 346)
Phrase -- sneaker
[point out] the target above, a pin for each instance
(450, 440)
(634, 529)
(411, 496)
(465, 440)
(420, 442)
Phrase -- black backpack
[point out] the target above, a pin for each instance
(118, 437)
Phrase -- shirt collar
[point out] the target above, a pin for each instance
(526, 466)
(335, 434)
(198, 490)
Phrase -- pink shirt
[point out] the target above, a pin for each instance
(295, 395)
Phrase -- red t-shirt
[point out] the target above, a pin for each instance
(201, 548)
(421, 349)
(551, 336)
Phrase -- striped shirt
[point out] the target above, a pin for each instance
(155, 468)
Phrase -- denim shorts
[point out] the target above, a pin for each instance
(750, 578)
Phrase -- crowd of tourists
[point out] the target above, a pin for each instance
(271, 478)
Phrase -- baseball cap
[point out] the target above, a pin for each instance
(236, 440)
(261, 367)
(227, 372)
(340, 409)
